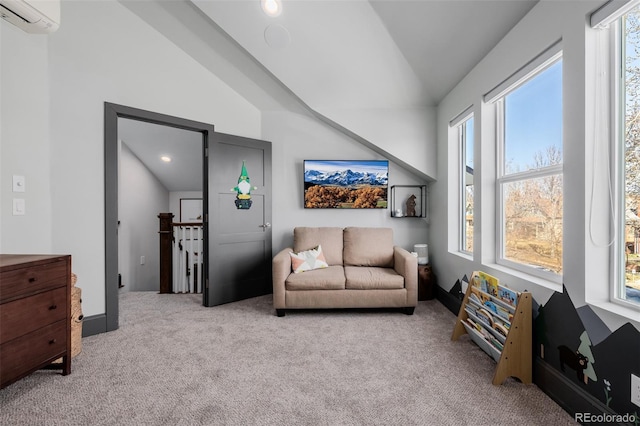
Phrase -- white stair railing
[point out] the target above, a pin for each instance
(188, 258)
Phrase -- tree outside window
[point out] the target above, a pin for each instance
(630, 158)
(466, 137)
(530, 180)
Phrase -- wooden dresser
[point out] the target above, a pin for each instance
(35, 314)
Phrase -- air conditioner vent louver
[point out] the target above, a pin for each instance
(32, 16)
(6, 14)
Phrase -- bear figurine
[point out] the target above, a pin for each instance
(411, 206)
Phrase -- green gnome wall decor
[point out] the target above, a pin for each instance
(243, 189)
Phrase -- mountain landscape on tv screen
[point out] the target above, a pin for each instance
(345, 178)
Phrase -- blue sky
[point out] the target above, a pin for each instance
(469, 140)
(533, 118)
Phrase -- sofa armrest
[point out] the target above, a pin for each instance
(406, 264)
(281, 267)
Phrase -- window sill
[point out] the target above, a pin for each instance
(526, 277)
(463, 255)
(620, 309)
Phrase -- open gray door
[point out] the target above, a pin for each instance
(239, 238)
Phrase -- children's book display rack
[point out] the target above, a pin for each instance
(499, 321)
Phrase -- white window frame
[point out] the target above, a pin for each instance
(602, 246)
(618, 109)
(458, 123)
(496, 96)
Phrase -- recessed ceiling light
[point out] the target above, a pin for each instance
(166, 158)
(271, 7)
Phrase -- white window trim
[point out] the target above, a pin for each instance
(462, 194)
(617, 169)
(600, 291)
(610, 12)
(496, 96)
(534, 67)
(462, 117)
(454, 126)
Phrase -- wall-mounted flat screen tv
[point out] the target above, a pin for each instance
(346, 184)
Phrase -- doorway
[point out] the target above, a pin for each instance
(113, 112)
(237, 241)
(159, 169)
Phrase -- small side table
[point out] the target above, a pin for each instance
(426, 283)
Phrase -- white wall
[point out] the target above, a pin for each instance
(174, 201)
(546, 23)
(141, 197)
(298, 137)
(102, 52)
(24, 141)
(405, 133)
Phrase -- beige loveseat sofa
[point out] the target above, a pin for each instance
(365, 270)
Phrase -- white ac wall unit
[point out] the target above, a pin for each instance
(33, 16)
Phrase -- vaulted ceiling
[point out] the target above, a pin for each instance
(375, 53)
(336, 57)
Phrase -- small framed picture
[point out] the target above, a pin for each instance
(191, 210)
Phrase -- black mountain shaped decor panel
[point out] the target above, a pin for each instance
(603, 369)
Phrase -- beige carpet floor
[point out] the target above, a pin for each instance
(174, 362)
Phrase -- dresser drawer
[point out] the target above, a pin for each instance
(33, 279)
(32, 351)
(23, 316)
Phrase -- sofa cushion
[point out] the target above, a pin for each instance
(305, 238)
(372, 278)
(331, 278)
(368, 247)
(308, 260)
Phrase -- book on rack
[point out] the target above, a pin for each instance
(484, 317)
(478, 295)
(501, 328)
(507, 295)
(498, 310)
(487, 283)
(495, 342)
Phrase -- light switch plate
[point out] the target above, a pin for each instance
(18, 183)
(635, 389)
(19, 207)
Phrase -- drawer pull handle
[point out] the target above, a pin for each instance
(33, 279)
(52, 307)
(52, 341)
